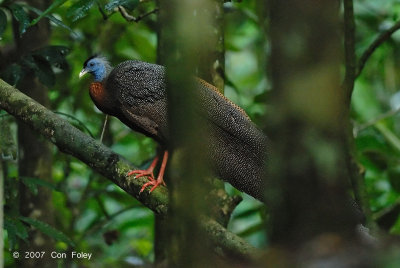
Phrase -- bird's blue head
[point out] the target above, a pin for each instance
(98, 66)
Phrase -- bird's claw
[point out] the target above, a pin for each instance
(141, 173)
(153, 182)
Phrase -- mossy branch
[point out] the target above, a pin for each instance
(100, 158)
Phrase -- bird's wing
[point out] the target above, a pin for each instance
(140, 93)
(141, 124)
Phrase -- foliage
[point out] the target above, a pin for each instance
(375, 105)
(94, 215)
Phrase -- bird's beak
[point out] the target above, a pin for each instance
(82, 73)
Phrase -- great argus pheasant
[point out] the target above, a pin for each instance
(135, 92)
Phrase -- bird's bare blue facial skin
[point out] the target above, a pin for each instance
(96, 67)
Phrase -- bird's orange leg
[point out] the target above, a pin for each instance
(160, 177)
(147, 172)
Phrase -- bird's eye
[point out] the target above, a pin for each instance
(91, 64)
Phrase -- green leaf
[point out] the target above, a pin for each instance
(80, 9)
(46, 13)
(21, 16)
(128, 4)
(50, 17)
(41, 65)
(248, 212)
(38, 182)
(44, 72)
(3, 22)
(377, 158)
(21, 229)
(137, 223)
(14, 228)
(13, 74)
(11, 233)
(60, 24)
(48, 230)
(32, 184)
(55, 55)
(262, 97)
(370, 139)
(252, 229)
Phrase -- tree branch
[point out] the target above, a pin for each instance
(377, 42)
(114, 167)
(356, 178)
(131, 18)
(231, 243)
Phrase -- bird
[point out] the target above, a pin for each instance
(134, 91)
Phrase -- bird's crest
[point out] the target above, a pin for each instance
(102, 59)
(91, 57)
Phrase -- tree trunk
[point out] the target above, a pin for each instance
(307, 170)
(187, 38)
(35, 156)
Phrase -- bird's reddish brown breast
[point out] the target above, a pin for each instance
(100, 97)
(96, 91)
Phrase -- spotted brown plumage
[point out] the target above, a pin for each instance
(135, 93)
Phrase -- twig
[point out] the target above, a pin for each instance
(130, 18)
(104, 128)
(375, 120)
(375, 44)
(103, 13)
(100, 222)
(388, 216)
(102, 207)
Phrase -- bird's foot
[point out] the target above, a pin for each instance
(149, 173)
(153, 182)
(141, 173)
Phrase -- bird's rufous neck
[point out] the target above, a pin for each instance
(101, 98)
(97, 93)
(96, 90)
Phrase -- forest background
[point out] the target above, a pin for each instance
(83, 211)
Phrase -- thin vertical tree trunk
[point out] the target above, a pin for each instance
(357, 179)
(161, 242)
(187, 38)
(35, 156)
(210, 68)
